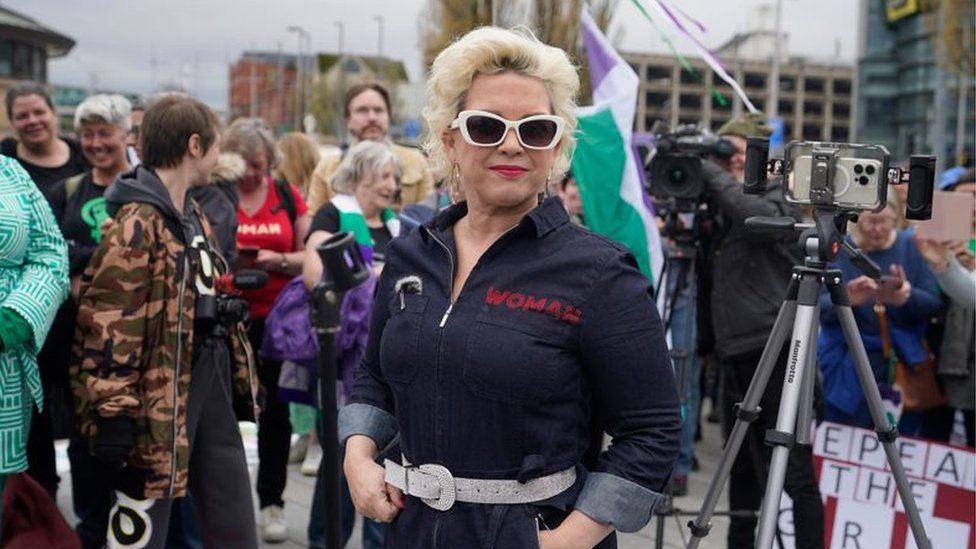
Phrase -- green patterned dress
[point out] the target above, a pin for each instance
(33, 283)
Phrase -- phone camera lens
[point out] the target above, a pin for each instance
(869, 170)
(858, 169)
(863, 180)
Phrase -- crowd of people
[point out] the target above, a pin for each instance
(915, 322)
(496, 338)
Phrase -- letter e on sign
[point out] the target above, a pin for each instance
(833, 441)
(924, 493)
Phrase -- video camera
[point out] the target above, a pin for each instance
(676, 168)
(843, 177)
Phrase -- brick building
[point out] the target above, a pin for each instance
(264, 84)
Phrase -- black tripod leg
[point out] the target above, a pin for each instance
(682, 268)
(747, 412)
(887, 433)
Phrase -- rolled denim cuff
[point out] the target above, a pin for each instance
(617, 501)
(363, 419)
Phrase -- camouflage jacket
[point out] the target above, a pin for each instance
(134, 339)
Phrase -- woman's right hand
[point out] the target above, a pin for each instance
(861, 290)
(371, 495)
(936, 253)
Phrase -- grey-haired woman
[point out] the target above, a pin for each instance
(102, 122)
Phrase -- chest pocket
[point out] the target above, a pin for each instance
(400, 342)
(515, 363)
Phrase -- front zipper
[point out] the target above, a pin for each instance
(440, 348)
(450, 281)
(179, 362)
(440, 335)
(450, 284)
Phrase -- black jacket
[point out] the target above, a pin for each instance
(750, 273)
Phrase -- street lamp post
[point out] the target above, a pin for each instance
(777, 53)
(379, 36)
(342, 82)
(299, 76)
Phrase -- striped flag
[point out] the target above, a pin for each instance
(605, 166)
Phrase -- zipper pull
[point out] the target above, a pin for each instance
(447, 313)
(403, 305)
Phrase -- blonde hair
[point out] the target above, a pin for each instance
(893, 207)
(246, 136)
(299, 156)
(363, 161)
(491, 50)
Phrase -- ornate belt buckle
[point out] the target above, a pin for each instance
(446, 481)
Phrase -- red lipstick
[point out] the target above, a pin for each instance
(508, 171)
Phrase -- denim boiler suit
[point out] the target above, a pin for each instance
(554, 323)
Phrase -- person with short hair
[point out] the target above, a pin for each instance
(897, 307)
(102, 122)
(47, 157)
(365, 185)
(272, 224)
(161, 376)
(499, 328)
(368, 113)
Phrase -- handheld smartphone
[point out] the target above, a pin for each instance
(856, 174)
(247, 256)
(890, 281)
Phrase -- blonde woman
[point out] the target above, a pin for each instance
(299, 156)
(499, 327)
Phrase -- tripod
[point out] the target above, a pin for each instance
(681, 269)
(820, 242)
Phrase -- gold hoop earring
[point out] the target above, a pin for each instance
(455, 183)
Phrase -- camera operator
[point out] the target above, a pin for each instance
(750, 275)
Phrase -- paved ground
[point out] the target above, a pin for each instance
(298, 495)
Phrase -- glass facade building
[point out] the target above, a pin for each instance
(897, 80)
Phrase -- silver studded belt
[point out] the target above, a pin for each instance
(437, 487)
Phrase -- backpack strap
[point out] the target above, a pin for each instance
(286, 199)
(71, 186)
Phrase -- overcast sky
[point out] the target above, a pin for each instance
(196, 40)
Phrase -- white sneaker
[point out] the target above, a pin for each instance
(274, 529)
(310, 467)
(298, 448)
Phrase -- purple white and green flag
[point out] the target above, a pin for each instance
(605, 165)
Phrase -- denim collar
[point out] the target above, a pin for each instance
(543, 219)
